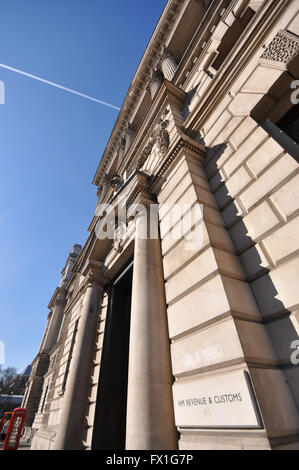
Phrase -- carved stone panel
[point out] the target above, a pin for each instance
(283, 48)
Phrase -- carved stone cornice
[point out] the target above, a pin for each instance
(156, 44)
(183, 142)
(144, 155)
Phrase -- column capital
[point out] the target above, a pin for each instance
(61, 296)
(103, 185)
(139, 191)
(94, 274)
(58, 298)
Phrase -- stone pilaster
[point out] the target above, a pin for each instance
(70, 428)
(57, 305)
(34, 386)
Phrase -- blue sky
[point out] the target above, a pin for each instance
(51, 141)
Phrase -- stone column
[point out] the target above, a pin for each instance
(70, 429)
(58, 305)
(150, 419)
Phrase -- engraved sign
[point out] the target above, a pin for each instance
(216, 401)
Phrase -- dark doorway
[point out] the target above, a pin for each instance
(110, 415)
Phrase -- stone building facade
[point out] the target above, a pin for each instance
(159, 341)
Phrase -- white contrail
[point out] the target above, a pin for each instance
(58, 86)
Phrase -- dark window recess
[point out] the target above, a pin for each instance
(44, 400)
(69, 358)
(110, 415)
(277, 113)
(289, 123)
(231, 36)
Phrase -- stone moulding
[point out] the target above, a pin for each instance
(148, 141)
(144, 155)
(160, 137)
(183, 142)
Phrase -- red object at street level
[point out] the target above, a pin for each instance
(6, 415)
(15, 429)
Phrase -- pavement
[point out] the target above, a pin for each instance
(22, 445)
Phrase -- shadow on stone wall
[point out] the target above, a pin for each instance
(275, 315)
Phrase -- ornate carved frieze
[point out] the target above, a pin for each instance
(163, 138)
(159, 136)
(283, 48)
(145, 153)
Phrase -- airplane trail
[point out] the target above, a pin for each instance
(56, 85)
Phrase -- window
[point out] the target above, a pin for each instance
(231, 36)
(44, 399)
(63, 385)
(277, 113)
(289, 123)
